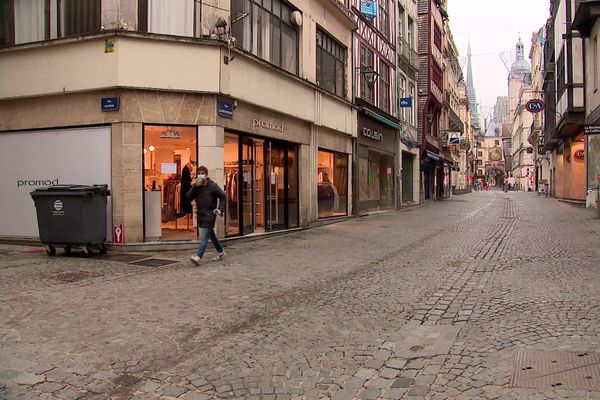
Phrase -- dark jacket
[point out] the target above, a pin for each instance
(206, 202)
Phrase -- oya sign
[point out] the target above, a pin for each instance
(579, 154)
(534, 105)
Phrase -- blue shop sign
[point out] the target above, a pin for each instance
(368, 8)
(110, 104)
(225, 108)
(406, 102)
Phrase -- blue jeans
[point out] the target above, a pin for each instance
(205, 233)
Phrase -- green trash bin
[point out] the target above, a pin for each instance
(72, 216)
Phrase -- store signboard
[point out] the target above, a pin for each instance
(368, 8)
(49, 157)
(591, 129)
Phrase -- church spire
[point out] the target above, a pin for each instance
(471, 90)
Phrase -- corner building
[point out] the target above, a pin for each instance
(127, 93)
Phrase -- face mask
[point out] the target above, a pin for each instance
(202, 177)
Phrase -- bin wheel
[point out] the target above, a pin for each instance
(67, 249)
(87, 250)
(50, 250)
(102, 248)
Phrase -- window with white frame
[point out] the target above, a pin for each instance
(402, 94)
(412, 110)
(267, 32)
(167, 17)
(384, 86)
(410, 32)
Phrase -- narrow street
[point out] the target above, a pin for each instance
(488, 295)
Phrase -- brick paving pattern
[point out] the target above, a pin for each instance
(433, 302)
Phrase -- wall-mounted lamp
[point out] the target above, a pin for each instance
(369, 74)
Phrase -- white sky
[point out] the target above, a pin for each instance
(493, 27)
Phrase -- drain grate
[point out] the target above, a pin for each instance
(556, 369)
(153, 262)
(121, 257)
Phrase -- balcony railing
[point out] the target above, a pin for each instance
(404, 50)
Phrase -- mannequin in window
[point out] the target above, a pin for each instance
(186, 184)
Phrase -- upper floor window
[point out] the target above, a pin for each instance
(331, 64)
(168, 17)
(401, 31)
(402, 94)
(25, 21)
(79, 16)
(267, 32)
(384, 86)
(596, 63)
(366, 63)
(410, 33)
(561, 83)
(436, 75)
(384, 19)
(412, 110)
(437, 36)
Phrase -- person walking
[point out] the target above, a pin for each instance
(210, 202)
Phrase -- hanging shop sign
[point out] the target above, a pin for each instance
(591, 129)
(368, 8)
(534, 105)
(453, 138)
(579, 154)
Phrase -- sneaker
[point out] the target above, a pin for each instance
(195, 259)
(219, 256)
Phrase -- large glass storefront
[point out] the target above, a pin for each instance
(261, 184)
(376, 181)
(332, 184)
(170, 154)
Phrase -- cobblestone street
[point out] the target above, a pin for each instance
(453, 299)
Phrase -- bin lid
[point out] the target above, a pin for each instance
(74, 189)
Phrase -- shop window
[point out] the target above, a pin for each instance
(261, 185)
(331, 64)
(267, 32)
(170, 162)
(366, 63)
(376, 180)
(79, 16)
(384, 86)
(332, 184)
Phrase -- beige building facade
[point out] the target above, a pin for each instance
(271, 116)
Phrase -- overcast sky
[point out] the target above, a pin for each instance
(493, 27)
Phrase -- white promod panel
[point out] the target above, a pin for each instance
(33, 159)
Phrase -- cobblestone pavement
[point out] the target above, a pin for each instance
(433, 302)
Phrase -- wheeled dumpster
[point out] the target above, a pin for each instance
(72, 216)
